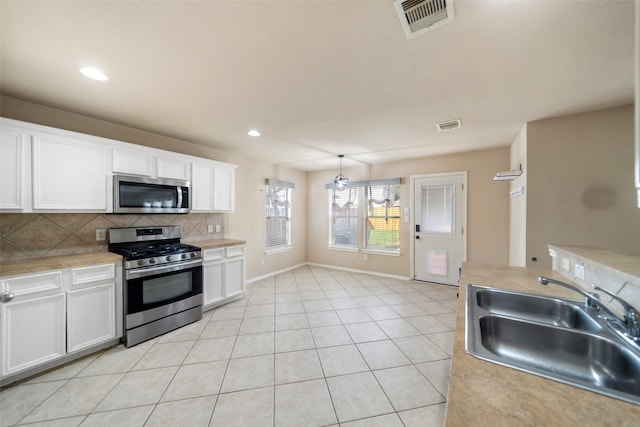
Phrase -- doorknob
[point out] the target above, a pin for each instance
(418, 237)
(7, 296)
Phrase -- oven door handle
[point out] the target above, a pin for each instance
(143, 272)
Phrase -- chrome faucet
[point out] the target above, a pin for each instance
(630, 321)
(590, 299)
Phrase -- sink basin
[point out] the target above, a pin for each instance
(537, 308)
(556, 338)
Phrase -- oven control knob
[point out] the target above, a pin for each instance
(169, 258)
(140, 262)
(184, 256)
(193, 254)
(152, 261)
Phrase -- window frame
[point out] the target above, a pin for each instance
(271, 187)
(366, 246)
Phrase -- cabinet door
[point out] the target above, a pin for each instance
(213, 282)
(13, 165)
(68, 174)
(33, 332)
(173, 168)
(132, 162)
(91, 316)
(234, 280)
(202, 176)
(223, 189)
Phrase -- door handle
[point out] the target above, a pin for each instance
(417, 237)
(7, 296)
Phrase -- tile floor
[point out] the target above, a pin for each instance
(310, 347)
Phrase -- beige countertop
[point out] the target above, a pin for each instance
(485, 394)
(217, 243)
(624, 263)
(35, 265)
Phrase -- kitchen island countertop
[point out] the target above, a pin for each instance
(486, 394)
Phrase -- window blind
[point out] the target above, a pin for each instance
(278, 214)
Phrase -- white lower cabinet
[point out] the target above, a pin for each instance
(51, 315)
(33, 332)
(223, 275)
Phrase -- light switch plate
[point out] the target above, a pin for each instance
(101, 235)
(579, 271)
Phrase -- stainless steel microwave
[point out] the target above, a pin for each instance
(134, 194)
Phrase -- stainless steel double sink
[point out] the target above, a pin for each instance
(556, 338)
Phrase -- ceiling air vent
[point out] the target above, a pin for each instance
(418, 16)
(449, 124)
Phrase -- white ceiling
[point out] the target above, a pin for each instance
(319, 78)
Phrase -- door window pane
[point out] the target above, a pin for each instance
(344, 218)
(437, 209)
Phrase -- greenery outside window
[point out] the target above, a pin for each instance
(383, 218)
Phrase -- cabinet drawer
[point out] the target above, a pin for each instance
(33, 283)
(234, 251)
(92, 274)
(213, 254)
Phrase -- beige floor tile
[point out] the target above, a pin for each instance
(357, 396)
(249, 372)
(359, 292)
(116, 359)
(448, 319)
(381, 313)
(221, 328)
(353, 315)
(444, 340)
(343, 303)
(189, 332)
(369, 301)
(138, 388)
(428, 416)
(323, 318)
(288, 297)
(382, 354)
(389, 420)
(317, 305)
(289, 308)
(299, 339)
(394, 299)
(341, 360)
(19, 400)
(428, 324)
(261, 299)
(293, 408)
(200, 379)
(208, 350)
(64, 372)
(396, 328)
(130, 417)
(419, 349)
(364, 332)
(190, 412)
(257, 325)
(408, 310)
(249, 408)
(291, 321)
(162, 355)
(438, 373)
(78, 396)
(297, 366)
(309, 295)
(434, 307)
(62, 422)
(261, 310)
(333, 292)
(406, 388)
(226, 313)
(329, 336)
(253, 345)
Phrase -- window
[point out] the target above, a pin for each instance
(383, 218)
(379, 219)
(344, 218)
(278, 206)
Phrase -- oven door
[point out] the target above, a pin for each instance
(163, 290)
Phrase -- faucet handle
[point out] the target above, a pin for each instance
(631, 317)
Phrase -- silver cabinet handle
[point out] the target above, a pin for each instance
(7, 296)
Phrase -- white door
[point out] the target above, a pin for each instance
(439, 221)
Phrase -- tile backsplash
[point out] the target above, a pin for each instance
(40, 235)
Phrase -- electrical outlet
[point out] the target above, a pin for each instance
(366, 257)
(209, 228)
(579, 271)
(566, 264)
(101, 235)
(218, 228)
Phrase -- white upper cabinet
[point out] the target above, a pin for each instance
(43, 169)
(69, 174)
(14, 165)
(212, 186)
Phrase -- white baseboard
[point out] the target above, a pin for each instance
(332, 267)
(273, 273)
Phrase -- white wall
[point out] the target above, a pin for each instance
(518, 204)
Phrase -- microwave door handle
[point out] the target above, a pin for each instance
(179, 197)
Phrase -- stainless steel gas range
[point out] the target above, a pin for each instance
(162, 280)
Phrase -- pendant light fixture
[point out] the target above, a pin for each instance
(340, 182)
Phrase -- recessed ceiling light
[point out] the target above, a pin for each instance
(253, 132)
(94, 73)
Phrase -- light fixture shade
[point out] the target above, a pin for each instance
(340, 182)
